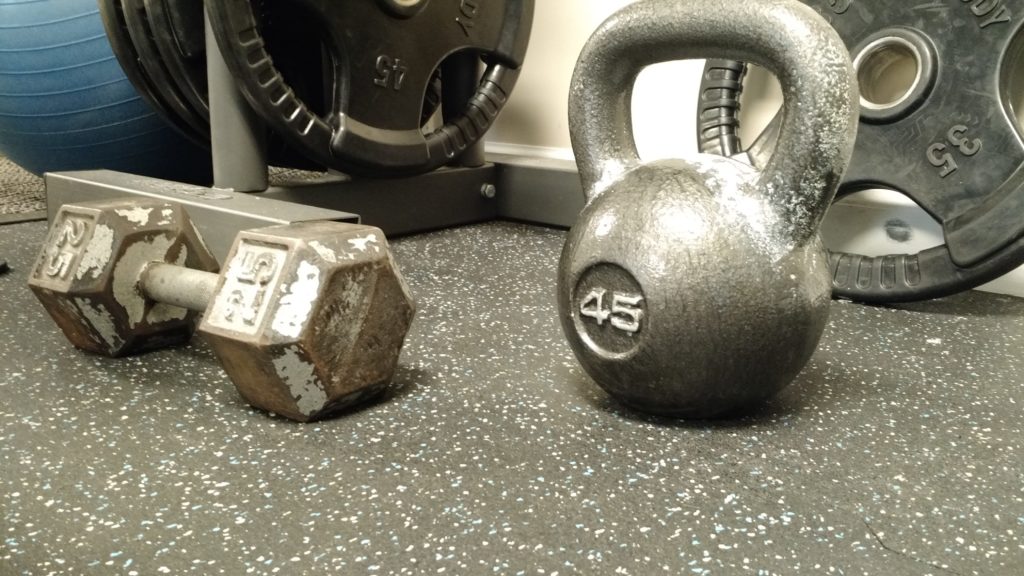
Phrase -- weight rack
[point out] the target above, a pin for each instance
(473, 189)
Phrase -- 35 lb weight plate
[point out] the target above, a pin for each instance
(383, 55)
(947, 138)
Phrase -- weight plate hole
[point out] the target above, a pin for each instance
(298, 44)
(888, 71)
(403, 8)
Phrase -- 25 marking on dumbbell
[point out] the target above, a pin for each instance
(307, 319)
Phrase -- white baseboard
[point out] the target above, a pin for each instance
(523, 151)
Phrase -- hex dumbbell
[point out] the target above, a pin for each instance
(307, 319)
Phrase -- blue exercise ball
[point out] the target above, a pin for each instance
(65, 103)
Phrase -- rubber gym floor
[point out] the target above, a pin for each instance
(898, 450)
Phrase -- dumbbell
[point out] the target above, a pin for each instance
(307, 319)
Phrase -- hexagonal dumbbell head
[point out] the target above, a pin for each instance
(87, 273)
(309, 318)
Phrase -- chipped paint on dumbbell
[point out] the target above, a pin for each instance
(322, 310)
(296, 301)
(257, 283)
(97, 252)
(167, 312)
(303, 383)
(255, 272)
(131, 263)
(361, 244)
(307, 318)
(324, 252)
(141, 216)
(126, 278)
(137, 215)
(88, 270)
(73, 245)
(80, 246)
(100, 320)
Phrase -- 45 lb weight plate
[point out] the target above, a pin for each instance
(383, 55)
(946, 137)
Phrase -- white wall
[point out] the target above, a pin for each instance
(664, 100)
(535, 123)
(537, 116)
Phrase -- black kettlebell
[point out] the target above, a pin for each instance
(695, 287)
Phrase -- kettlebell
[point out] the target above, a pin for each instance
(695, 287)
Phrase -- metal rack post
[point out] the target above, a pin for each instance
(469, 190)
(237, 135)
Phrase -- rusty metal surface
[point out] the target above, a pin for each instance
(87, 273)
(309, 318)
(699, 286)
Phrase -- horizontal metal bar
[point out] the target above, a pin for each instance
(219, 214)
(538, 190)
(440, 199)
(178, 286)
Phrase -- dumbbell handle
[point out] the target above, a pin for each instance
(177, 285)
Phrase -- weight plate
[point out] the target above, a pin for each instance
(178, 33)
(382, 56)
(949, 139)
(179, 36)
(143, 39)
(124, 50)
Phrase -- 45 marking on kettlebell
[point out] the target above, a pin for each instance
(940, 156)
(624, 314)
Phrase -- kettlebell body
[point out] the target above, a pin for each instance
(696, 287)
(680, 299)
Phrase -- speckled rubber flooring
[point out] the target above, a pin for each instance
(897, 451)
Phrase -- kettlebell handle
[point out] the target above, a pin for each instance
(820, 96)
